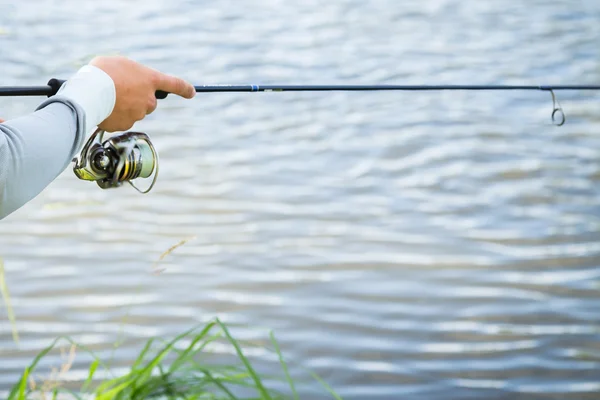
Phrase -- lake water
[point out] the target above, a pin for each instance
(440, 245)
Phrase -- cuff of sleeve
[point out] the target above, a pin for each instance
(94, 91)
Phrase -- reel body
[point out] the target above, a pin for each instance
(118, 159)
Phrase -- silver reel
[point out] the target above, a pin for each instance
(121, 158)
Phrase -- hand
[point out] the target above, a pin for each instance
(135, 86)
(1, 120)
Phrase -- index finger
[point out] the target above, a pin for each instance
(175, 85)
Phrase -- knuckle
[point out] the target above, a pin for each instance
(155, 79)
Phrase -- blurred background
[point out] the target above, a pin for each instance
(440, 245)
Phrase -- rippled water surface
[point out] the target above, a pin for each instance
(422, 245)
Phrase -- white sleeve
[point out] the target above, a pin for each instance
(36, 148)
(94, 91)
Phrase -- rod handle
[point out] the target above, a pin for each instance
(160, 94)
(55, 84)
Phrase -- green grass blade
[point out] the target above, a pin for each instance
(93, 367)
(140, 374)
(143, 375)
(111, 383)
(23, 385)
(113, 392)
(161, 354)
(325, 385)
(284, 365)
(219, 384)
(259, 385)
(167, 385)
(32, 366)
(9, 309)
(190, 349)
(140, 357)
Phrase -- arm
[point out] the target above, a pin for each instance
(36, 148)
(111, 93)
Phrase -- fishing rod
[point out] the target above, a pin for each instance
(54, 84)
(130, 155)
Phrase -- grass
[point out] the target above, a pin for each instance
(178, 369)
(6, 298)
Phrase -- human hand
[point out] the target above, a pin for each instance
(1, 120)
(135, 86)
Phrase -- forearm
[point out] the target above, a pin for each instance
(36, 148)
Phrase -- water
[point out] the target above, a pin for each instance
(423, 245)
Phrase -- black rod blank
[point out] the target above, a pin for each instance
(309, 88)
(324, 88)
(26, 91)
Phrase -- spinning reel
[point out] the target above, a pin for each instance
(121, 158)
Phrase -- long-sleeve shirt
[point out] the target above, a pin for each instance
(36, 148)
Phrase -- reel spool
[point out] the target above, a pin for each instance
(121, 158)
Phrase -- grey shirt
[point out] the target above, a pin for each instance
(36, 148)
